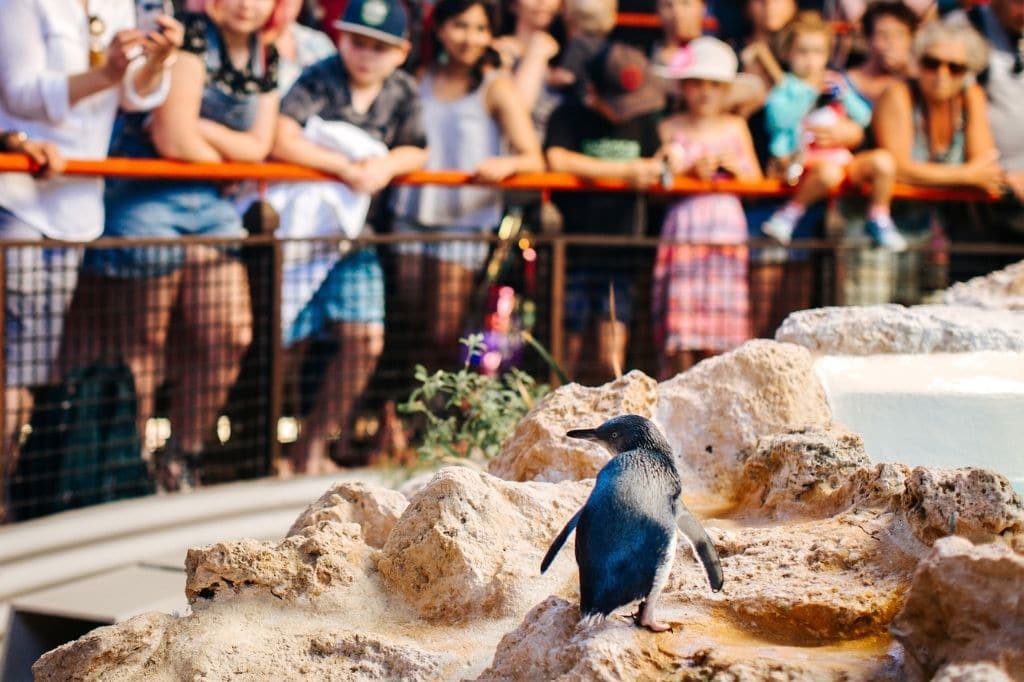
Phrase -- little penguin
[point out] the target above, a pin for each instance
(626, 530)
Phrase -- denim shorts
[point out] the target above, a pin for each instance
(146, 210)
(471, 255)
(586, 296)
(352, 292)
(40, 284)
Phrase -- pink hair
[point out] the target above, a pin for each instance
(270, 31)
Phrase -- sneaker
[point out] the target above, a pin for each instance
(778, 229)
(886, 236)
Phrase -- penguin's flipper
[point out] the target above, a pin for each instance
(702, 544)
(559, 541)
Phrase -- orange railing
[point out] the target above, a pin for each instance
(268, 172)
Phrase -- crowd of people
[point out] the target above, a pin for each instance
(894, 92)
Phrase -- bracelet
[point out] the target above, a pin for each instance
(13, 141)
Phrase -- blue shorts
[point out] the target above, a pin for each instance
(158, 210)
(586, 296)
(39, 285)
(352, 292)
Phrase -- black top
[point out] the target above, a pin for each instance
(577, 128)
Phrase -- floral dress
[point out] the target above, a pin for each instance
(699, 294)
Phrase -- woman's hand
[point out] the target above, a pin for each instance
(161, 45)
(48, 157)
(496, 169)
(1015, 181)
(984, 173)
(843, 133)
(123, 48)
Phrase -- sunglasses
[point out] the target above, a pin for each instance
(930, 63)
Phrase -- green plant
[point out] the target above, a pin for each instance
(469, 415)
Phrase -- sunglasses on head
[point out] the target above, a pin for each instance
(931, 63)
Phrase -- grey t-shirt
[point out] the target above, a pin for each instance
(1005, 89)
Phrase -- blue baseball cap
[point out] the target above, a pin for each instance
(384, 20)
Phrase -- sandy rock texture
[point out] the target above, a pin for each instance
(868, 330)
(999, 290)
(538, 449)
(964, 616)
(823, 552)
(374, 509)
(714, 413)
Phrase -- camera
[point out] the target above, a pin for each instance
(147, 11)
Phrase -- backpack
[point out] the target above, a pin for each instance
(84, 447)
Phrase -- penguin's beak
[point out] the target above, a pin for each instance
(584, 434)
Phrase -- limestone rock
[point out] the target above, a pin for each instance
(977, 504)
(798, 474)
(470, 545)
(867, 330)
(714, 413)
(964, 607)
(549, 646)
(375, 509)
(128, 645)
(999, 290)
(814, 582)
(301, 566)
(538, 449)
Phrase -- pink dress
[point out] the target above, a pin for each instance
(700, 298)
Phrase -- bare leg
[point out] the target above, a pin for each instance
(454, 283)
(647, 617)
(345, 378)
(126, 318)
(818, 182)
(217, 321)
(878, 168)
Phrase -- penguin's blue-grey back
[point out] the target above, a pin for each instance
(624, 530)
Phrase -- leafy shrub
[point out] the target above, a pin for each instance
(469, 415)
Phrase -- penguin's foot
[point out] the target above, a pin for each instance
(644, 617)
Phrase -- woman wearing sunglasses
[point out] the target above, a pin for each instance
(936, 127)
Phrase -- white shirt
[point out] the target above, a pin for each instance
(42, 42)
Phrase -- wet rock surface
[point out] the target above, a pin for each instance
(823, 552)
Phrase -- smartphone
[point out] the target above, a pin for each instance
(147, 11)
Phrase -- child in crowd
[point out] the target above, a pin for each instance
(814, 118)
(472, 112)
(699, 296)
(299, 46)
(611, 134)
(588, 24)
(364, 87)
(222, 106)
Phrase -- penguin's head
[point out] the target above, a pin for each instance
(624, 433)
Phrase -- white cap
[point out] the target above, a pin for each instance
(704, 58)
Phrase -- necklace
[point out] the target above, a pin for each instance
(97, 51)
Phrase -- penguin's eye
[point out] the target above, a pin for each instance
(615, 435)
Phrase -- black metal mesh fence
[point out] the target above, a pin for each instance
(133, 367)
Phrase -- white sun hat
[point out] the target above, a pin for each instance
(704, 58)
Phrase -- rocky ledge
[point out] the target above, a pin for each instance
(835, 567)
